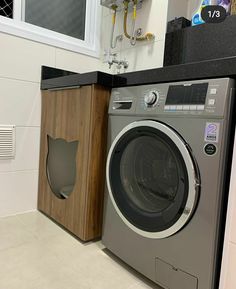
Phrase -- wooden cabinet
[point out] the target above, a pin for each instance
(76, 115)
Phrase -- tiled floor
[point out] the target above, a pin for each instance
(37, 254)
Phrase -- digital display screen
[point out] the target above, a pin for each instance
(187, 94)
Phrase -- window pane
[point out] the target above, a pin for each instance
(6, 8)
(66, 17)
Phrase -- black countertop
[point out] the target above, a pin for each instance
(218, 68)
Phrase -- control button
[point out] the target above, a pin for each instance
(211, 101)
(210, 149)
(193, 107)
(186, 107)
(173, 107)
(151, 98)
(179, 107)
(213, 91)
(200, 107)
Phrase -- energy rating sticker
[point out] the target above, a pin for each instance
(212, 132)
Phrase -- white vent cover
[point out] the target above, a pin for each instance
(7, 142)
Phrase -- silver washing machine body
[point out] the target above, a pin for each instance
(166, 164)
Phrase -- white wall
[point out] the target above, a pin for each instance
(153, 17)
(145, 55)
(20, 68)
(228, 276)
(178, 8)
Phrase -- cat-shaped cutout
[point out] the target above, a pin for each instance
(61, 166)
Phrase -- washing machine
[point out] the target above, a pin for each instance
(166, 175)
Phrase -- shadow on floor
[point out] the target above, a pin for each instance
(131, 270)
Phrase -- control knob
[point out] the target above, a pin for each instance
(151, 98)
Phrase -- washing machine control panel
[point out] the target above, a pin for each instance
(194, 98)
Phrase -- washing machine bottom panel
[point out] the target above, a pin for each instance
(174, 263)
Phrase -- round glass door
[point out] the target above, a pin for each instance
(152, 179)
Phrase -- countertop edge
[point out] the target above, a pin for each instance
(222, 67)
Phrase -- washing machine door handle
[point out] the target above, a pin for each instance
(192, 176)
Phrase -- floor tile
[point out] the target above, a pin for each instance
(17, 283)
(44, 256)
(39, 225)
(13, 233)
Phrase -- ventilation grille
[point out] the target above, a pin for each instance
(7, 142)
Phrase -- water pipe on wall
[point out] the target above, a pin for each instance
(126, 5)
(119, 37)
(136, 34)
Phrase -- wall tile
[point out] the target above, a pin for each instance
(230, 274)
(27, 151)
(151, 18)
(230, 232)
(233, 220)
(179, 8)
(105, 12)
(18, 192)
(20, 102)
(22, 59)
(145, 56)
(76, 62)
(106, 33)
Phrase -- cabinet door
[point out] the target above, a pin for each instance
(66, 117)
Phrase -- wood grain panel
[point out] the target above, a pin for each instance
(66, 114)
(73, 123)
(76, 114)
(97, 161)
(44, 192)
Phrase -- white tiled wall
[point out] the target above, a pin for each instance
(152, 18)
(144, 55)
(179, 8)
(19, 100)
(76, 62)
(230, 282)
(228, 276)
(18, 191)
(20, 72)
(27, 151)
(22, 59)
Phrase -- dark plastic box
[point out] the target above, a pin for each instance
(202, 42)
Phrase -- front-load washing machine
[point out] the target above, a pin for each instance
(166, 179)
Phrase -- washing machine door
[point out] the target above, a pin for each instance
(152, 179)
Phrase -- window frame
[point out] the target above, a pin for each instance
(89, 46)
